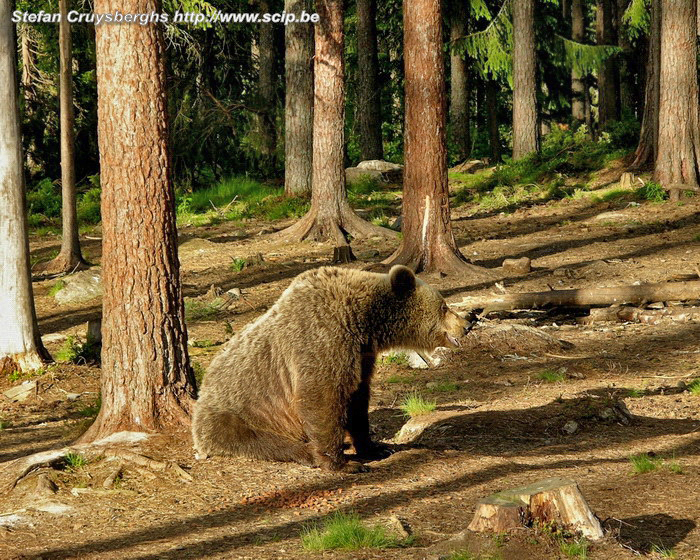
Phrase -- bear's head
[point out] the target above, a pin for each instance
(425, 320)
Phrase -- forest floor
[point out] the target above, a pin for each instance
(499, 421)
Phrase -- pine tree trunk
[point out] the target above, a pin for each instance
(330, 216)
(608, 103)
(625, 65)
(369, 115)
(20, 344)
(578, 33)
(147, 384)
(69, 258)
(459, 85)
(492, 89)
(649, 135)
(266, 88)
(299, 101)
(525, 126)
(428, 243)
(678, 151)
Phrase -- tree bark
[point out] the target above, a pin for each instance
(679, 130)
(266, 88)
(608, 101)
(625, 64)
(578, 34)
(525, 128)
(20, 344)
(70, 257)
(649, 135)
(428, 243)
(330, 216)
(492, 89)
(299, 101)
(147, 384)
(586, 297)
(369, 115)
(459, 84)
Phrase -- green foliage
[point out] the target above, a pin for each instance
(205, 343)
(395, 358)
(635, 393)
(365, 184)
(586, 59)
(551, 376)
(652, 192)
(342, 531)
(75, 352)
(57, 287)
(44, 199)
(637, 18)
(196, 310)
(663, 551)
(643, 463)
(74, 461)
(414, 405)
(91, 410)
(89, 206)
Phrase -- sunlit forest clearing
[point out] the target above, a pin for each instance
(574, 263)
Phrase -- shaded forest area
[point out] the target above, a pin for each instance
(162, 185)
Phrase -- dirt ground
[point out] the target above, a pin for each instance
(497, 425)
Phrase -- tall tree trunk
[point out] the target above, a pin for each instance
(578, 34)
(20, 344)
(608, 102)
(649, 135)
(525, 125)
(330, 216)
(369, 115)
(459, 84)
(428, 243)
(299, 101)
(678, 152)
(266, 88)
(147, 384)
(492, 89)
(69, 258)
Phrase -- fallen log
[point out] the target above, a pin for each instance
(585, 297)
(553, 500)
(646, 316)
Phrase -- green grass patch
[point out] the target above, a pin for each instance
(199, 371)
(76, 352)
(414, 404)
(238, 264)
(57, 287)
(663, 551)
(4, 424)
(653, 192)
(91, 410)
(205, 343)
(575, 549)
(394, 358)
(343, 531)
(196, 310)
(74, 461)
(694, 387)
(642, 463)
(444, 387)
(400, 379)
(365, 184)
(551, 376)
(635, 393)
(674, 466)
(466, 555)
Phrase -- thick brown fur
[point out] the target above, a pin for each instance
(290, 384)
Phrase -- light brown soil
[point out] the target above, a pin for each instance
(501, 427)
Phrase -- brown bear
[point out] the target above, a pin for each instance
(292, 383)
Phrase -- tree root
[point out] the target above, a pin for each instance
(62, 264)
(442, 259)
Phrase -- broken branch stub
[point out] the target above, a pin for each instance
(553, 500)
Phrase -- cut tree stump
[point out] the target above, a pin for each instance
(343, 254)
(553, 500)
(585, 297)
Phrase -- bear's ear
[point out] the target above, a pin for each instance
(402, 280)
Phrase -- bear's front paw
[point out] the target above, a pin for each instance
(353, 467)
(374, 451)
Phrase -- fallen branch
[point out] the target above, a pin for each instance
(585, 297)
(647, 316)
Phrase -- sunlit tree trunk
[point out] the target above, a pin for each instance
(678, 152)
(369, 115)
(299, 101)
(428, 243)
(649, 135)
(147, 384)
(330, 216)
(266, 88)
(525, 126)
(20, 344)
(492, 89)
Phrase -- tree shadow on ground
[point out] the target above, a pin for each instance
(650, 533)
